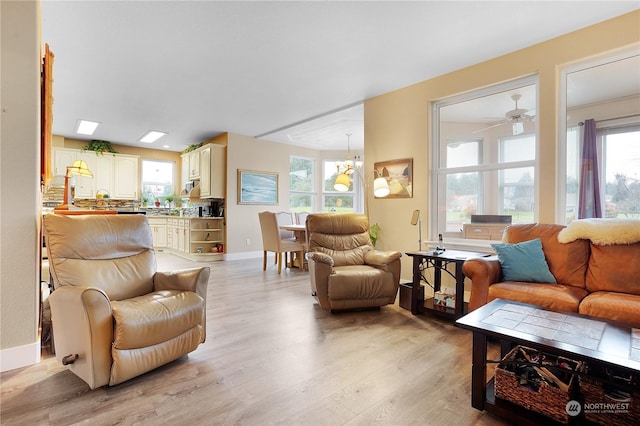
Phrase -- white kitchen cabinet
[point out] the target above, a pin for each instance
(158, 231)
(194, 165)
(206, 236)
(212, 171)
(125, 179)
(85, 186)
(116, 174)
(104, 172)
(184, 172)
(63, 157)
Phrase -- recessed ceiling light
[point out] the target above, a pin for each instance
(85, 127)
(152, 136)
(165, 146)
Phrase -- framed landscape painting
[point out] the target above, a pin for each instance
(399, 176)
(256, 187)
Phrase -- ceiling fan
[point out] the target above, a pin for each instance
(516, 117)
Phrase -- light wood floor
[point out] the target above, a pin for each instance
(272, 356)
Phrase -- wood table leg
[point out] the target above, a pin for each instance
(479, 371)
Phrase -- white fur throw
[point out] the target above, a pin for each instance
(602, 231)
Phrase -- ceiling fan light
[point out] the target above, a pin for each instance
(518, 127)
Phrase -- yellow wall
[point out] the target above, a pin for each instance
(397, 124)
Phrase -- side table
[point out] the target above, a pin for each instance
(439, 261)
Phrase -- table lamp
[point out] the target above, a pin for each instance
(79, 168)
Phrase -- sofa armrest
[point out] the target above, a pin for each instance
(320, 267)
(483, 271)
(195, 279)
(386, 260)
(379, 258)
(83, 324)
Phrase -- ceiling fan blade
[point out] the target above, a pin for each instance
(487, 128)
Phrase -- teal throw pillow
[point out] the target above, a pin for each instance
(524, 262)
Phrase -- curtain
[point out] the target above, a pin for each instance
(589, 202)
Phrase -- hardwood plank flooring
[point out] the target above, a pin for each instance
(272, 357)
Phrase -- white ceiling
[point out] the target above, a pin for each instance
(275, 70)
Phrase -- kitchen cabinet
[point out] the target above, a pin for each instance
(125, 179)
(104, 172)
(212, 171)
(206, 236)
(158, 231)
(194, 165)
(184, 170)
(117, 174)
(176, 234)
(63, 157)
(85, 187)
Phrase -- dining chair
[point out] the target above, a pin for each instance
(285, 218)
(301, 217)
(272, 241)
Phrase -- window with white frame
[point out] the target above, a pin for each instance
(302, 192)
(619, 165)
(484, 156)
(335, 201)
(157, 179)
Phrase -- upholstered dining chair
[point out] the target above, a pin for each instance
(301, 217)
(273, 242)
(346, 272)
(285, 218)
(114, 316)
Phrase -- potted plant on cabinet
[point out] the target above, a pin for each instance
(99, 147)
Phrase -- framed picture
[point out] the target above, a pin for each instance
(257, 187)
(399, 175)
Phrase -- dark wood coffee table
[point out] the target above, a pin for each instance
(578, 337)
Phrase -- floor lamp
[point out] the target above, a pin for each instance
(78, 168)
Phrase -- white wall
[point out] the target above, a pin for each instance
(19, 184)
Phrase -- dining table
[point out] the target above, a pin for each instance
(300, 234)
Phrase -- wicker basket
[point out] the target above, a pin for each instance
(610, 397)
(539, 396)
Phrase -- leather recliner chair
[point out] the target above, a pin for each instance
(346, 271)
(114, 317)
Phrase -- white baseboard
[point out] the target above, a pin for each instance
(20, 356)
(243, 255)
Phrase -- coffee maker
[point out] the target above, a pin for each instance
(216, 208)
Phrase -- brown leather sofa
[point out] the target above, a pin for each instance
(114, 317)
(596, 280)
(345, 270)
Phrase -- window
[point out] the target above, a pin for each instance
(621, 171)
(301, 184)
(619, 167)
(157, 179)
(485, 157)
(334, 201)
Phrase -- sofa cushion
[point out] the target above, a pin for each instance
(374, 283)
(567, 262)
(615, 306)
(614, 268)
(155, 318)
(551, 296)
(524, 262)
